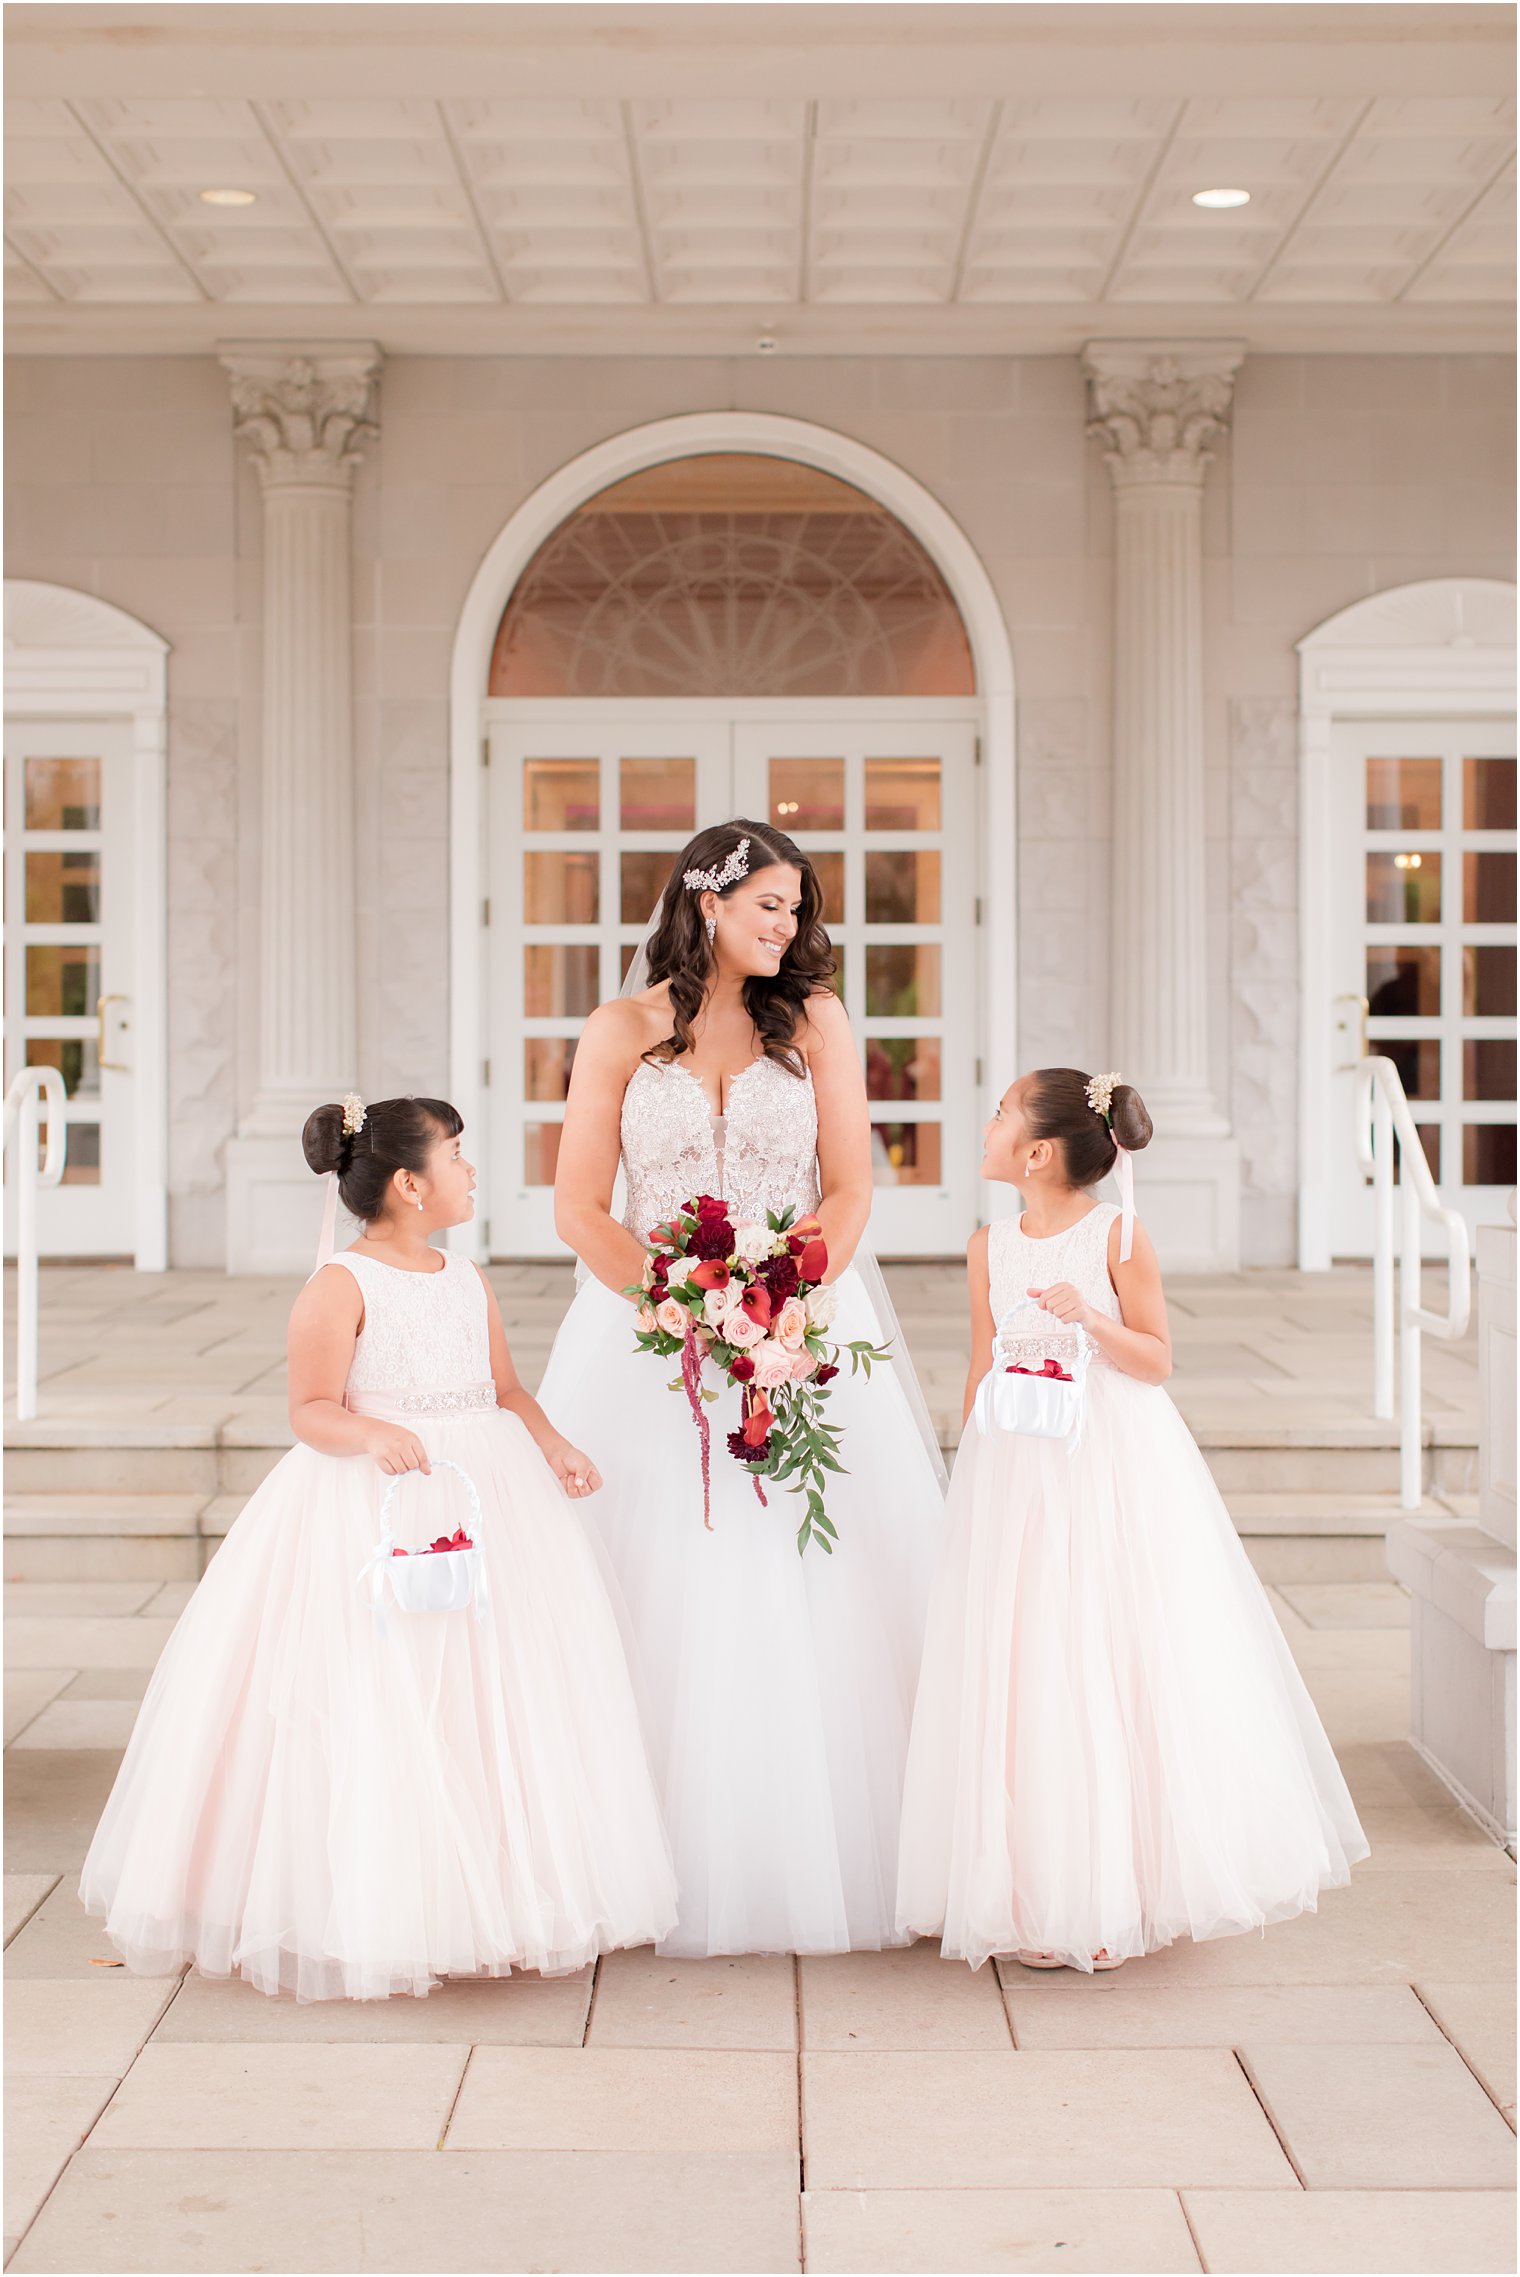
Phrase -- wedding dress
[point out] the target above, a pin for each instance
(778, 1689)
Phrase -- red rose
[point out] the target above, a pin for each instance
(741, 1367)
(814, 1261)
(825, 1374)
(712, 1273)
(708, 1206)
(756, 1302)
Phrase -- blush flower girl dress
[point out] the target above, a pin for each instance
(1112, 1747)
(340, 1801)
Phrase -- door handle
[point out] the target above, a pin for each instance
(118, 1066)
(1343, 1024)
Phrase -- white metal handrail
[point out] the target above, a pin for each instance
(1383, 1116)
(23, 1120)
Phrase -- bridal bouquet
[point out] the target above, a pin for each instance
(751, 1299)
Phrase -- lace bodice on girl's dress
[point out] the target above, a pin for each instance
(425, 1347)
(1080, 1255)
(762, 1154)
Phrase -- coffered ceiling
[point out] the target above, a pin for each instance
(1027, 194)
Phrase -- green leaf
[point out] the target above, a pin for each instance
(823, 1519)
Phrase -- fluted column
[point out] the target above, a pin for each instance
(302, 412)
(1157, 408)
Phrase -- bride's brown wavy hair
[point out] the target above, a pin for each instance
(681, 955)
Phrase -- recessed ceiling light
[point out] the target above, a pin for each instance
(228, 198)
(1221, 197)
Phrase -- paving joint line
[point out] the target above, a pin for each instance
(1462, 2054)
(596, 1979)
(801, 2117)
(443, 2132)
(1182, 2206)
(1267, 2113)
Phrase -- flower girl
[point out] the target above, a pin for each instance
(333, 1792)
(1111, 1747)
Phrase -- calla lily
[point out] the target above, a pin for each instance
(712, 1273)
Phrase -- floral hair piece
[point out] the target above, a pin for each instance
(353, 1114)
(714, 880)
(1100, 1094)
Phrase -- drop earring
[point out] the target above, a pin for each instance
(419, 1201)
(712, 927)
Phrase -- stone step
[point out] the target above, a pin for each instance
(1290, 1536)
(111, 1537)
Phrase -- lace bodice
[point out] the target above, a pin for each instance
(425, 1347)
(1079, 1255)
(760, 1155)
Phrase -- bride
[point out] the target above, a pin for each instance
(778, 1689)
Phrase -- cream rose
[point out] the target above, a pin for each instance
(753, 1244)
(822, 1304)
(773, 1365)
(646, 1318)
(790, 1325)
(714, 1306)
(671, 1317)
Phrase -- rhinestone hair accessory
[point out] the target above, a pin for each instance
(1100, 1094)
(715, 880)
(353, 1114)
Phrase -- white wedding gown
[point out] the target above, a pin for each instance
(777, 1689)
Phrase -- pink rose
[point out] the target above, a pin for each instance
(737, 1328)
(791, 1324)
(803, 1365)
(671, 1317)
(714, 1306)
(646, 1318)
(773, 1365)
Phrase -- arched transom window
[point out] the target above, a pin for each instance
(731, 574)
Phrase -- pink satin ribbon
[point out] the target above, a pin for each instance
(328, 1237)
(1124, 1178)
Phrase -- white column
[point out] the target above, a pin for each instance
(1157, 408)
(302, 412)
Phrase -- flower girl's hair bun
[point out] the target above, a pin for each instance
(1085, 1115)
(391, 1135)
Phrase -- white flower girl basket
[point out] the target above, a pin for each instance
(1035, 1406)
(424, 1580)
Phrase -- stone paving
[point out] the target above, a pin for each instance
(1336, 2095)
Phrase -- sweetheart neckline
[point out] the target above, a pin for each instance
(717, 1114)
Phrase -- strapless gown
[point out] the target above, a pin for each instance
(778, 1689)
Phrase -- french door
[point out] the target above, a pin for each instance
(69, 979)
(589, 804)
(1424, 950)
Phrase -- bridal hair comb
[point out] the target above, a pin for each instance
(353, 1114)
(715, 880)
(1100, 1094)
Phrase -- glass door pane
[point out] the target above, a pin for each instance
(1425, 856)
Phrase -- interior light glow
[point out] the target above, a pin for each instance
(1215, 198)
(1406, 861)
(228, 197)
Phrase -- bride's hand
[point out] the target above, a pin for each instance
(577, 1473)
(1068, 1304)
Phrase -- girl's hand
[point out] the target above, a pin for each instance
(577, 1473)
(1067, 1303)
(396, 1450)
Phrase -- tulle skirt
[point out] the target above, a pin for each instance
(339, 1806)
(1112, 1747)
(778, 1689)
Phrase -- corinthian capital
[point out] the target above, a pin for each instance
(302, 410)
(1158, 405)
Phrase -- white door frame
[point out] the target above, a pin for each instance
(696, 435)
(70, 656)
(1444, 648)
